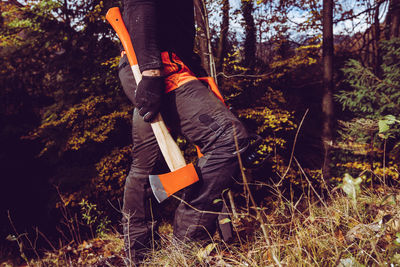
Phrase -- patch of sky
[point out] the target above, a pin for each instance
(297, 17)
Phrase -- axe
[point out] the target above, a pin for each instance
(181, 175)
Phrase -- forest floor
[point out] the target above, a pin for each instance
(338, 229)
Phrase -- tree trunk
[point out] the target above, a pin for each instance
(203, 34)
(1, 17)
(222, 43)
(377, 35)
(250, 33)
(327, 102)
(394, 10)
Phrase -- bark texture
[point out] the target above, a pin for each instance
(222, 43)
(250, 32)
(327, 102)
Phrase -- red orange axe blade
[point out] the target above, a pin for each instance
(181, 175)
(165, 185)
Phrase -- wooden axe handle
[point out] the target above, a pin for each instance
(170, 150)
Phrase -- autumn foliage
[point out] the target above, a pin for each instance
(66, 124)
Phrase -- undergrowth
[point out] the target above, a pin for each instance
(352, 225)
(356, 223)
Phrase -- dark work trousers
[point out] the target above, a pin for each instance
(193, 111)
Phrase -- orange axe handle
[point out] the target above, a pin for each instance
(170, 150)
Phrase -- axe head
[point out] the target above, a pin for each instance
(164, 185)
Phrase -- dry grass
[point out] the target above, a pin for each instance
(333, 233)
(308, 232)
(281, 230)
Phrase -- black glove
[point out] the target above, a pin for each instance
(148, 96)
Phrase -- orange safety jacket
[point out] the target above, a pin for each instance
(177, 74)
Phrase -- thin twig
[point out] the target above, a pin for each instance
(46, 239)
(265, 75)
(253, 202)
(293, 147)
(207, 211)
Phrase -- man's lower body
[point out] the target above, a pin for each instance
(195, 112)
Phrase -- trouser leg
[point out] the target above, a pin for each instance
(140, 206)
(194, 111)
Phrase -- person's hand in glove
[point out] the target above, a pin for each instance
(148, 96)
